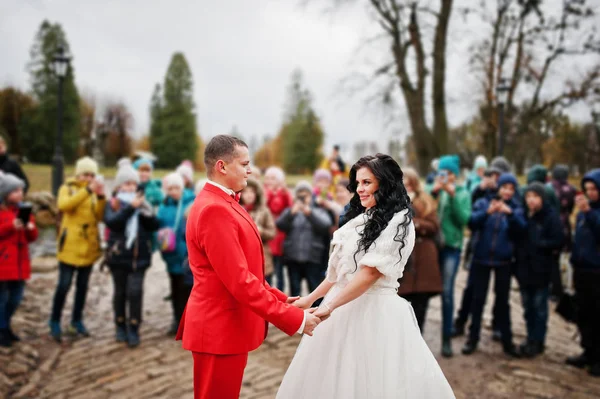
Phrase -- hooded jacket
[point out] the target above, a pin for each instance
(586, 247)
(539, 173)
(78, 236)
(535, 249)
(14, 250)
(494, 235)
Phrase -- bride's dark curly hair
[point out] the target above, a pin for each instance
(390, 198)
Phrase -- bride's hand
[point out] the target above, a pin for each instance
(302, 303)
(323, 312)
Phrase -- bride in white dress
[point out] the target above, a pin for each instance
(369, 344)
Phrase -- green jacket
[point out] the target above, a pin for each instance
(454, 213)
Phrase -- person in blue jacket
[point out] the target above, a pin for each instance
(585, 258)
(495, 225)
(171, 216)
(543, 235)
(151, 187)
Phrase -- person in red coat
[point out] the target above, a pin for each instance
(279, 199)
(15, 267)
(230, 304)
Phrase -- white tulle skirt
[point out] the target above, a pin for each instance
(370, 348)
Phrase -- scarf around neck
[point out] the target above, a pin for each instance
(132, 226)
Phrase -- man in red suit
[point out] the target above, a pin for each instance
(230, 304)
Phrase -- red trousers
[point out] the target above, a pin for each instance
(218, 376)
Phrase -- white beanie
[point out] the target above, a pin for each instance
(126, 172)
(186, 171)
(173, 179)
(86, 165)
(200, 185)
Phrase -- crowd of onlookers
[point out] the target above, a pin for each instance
(487, 221)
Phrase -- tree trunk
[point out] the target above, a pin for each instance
(440, 119)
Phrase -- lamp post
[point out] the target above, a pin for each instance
(61, 66)
(502, 90)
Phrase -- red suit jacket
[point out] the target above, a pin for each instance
(230, 300)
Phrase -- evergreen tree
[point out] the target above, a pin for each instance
(301, 135)
(40, 133)
(173, 131)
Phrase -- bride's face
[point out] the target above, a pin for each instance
(366, 187)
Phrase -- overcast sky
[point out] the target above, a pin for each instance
(241, 52)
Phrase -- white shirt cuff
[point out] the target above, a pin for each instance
(301, 330)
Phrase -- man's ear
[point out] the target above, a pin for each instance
(220, 166)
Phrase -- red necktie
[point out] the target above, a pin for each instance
(236, 196)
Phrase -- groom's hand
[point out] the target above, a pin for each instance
(292, 299)
(302, 303)
(312, 322)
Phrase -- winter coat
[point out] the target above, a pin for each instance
(473, 181)
(264, 222)
(167, 215)
(78, 236)
(494, 235)
(565, 193)
(454, 213)
(11, 166)
(585, 254)
(14, 249)
(305, 235)
(543, 235)
(277, 202)
(423, 275)
(140, 253)
(153, 192)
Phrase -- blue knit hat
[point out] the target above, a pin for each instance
(143, 161)
(508, 178)
(450, 163)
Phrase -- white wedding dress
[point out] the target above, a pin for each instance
(370, 348)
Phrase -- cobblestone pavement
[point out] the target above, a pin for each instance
(98, 367)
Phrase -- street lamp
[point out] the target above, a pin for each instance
(502, 90)
(61, 67)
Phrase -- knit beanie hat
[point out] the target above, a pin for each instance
(186, 171)
(560, 173)
(173, 179)
(450, 163)
(8, 184)
(302, 185)
(322, 174)
(538, 188)
(480, 162)
(537, 173)
(499, 165)
(125, 172)
(86, 165)
(508, 178)
(143, 161)
(200, 185)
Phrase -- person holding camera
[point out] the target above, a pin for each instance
(17, 230)
(306, 226)
(81, 202)
(585, 258)
(454, 210)
(132, 223)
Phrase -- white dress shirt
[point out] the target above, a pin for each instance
(230, 192)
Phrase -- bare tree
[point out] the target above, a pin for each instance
(530, 46)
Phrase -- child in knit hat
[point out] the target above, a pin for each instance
(542, 236)
(172, 222)
(454, 210)
(132, 223)
(15, 266)
(151, 187)
(81, 202)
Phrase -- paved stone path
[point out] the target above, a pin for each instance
(98, 367)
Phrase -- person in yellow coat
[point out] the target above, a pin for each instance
(81, 201)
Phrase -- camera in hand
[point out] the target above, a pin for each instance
(25, 210)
